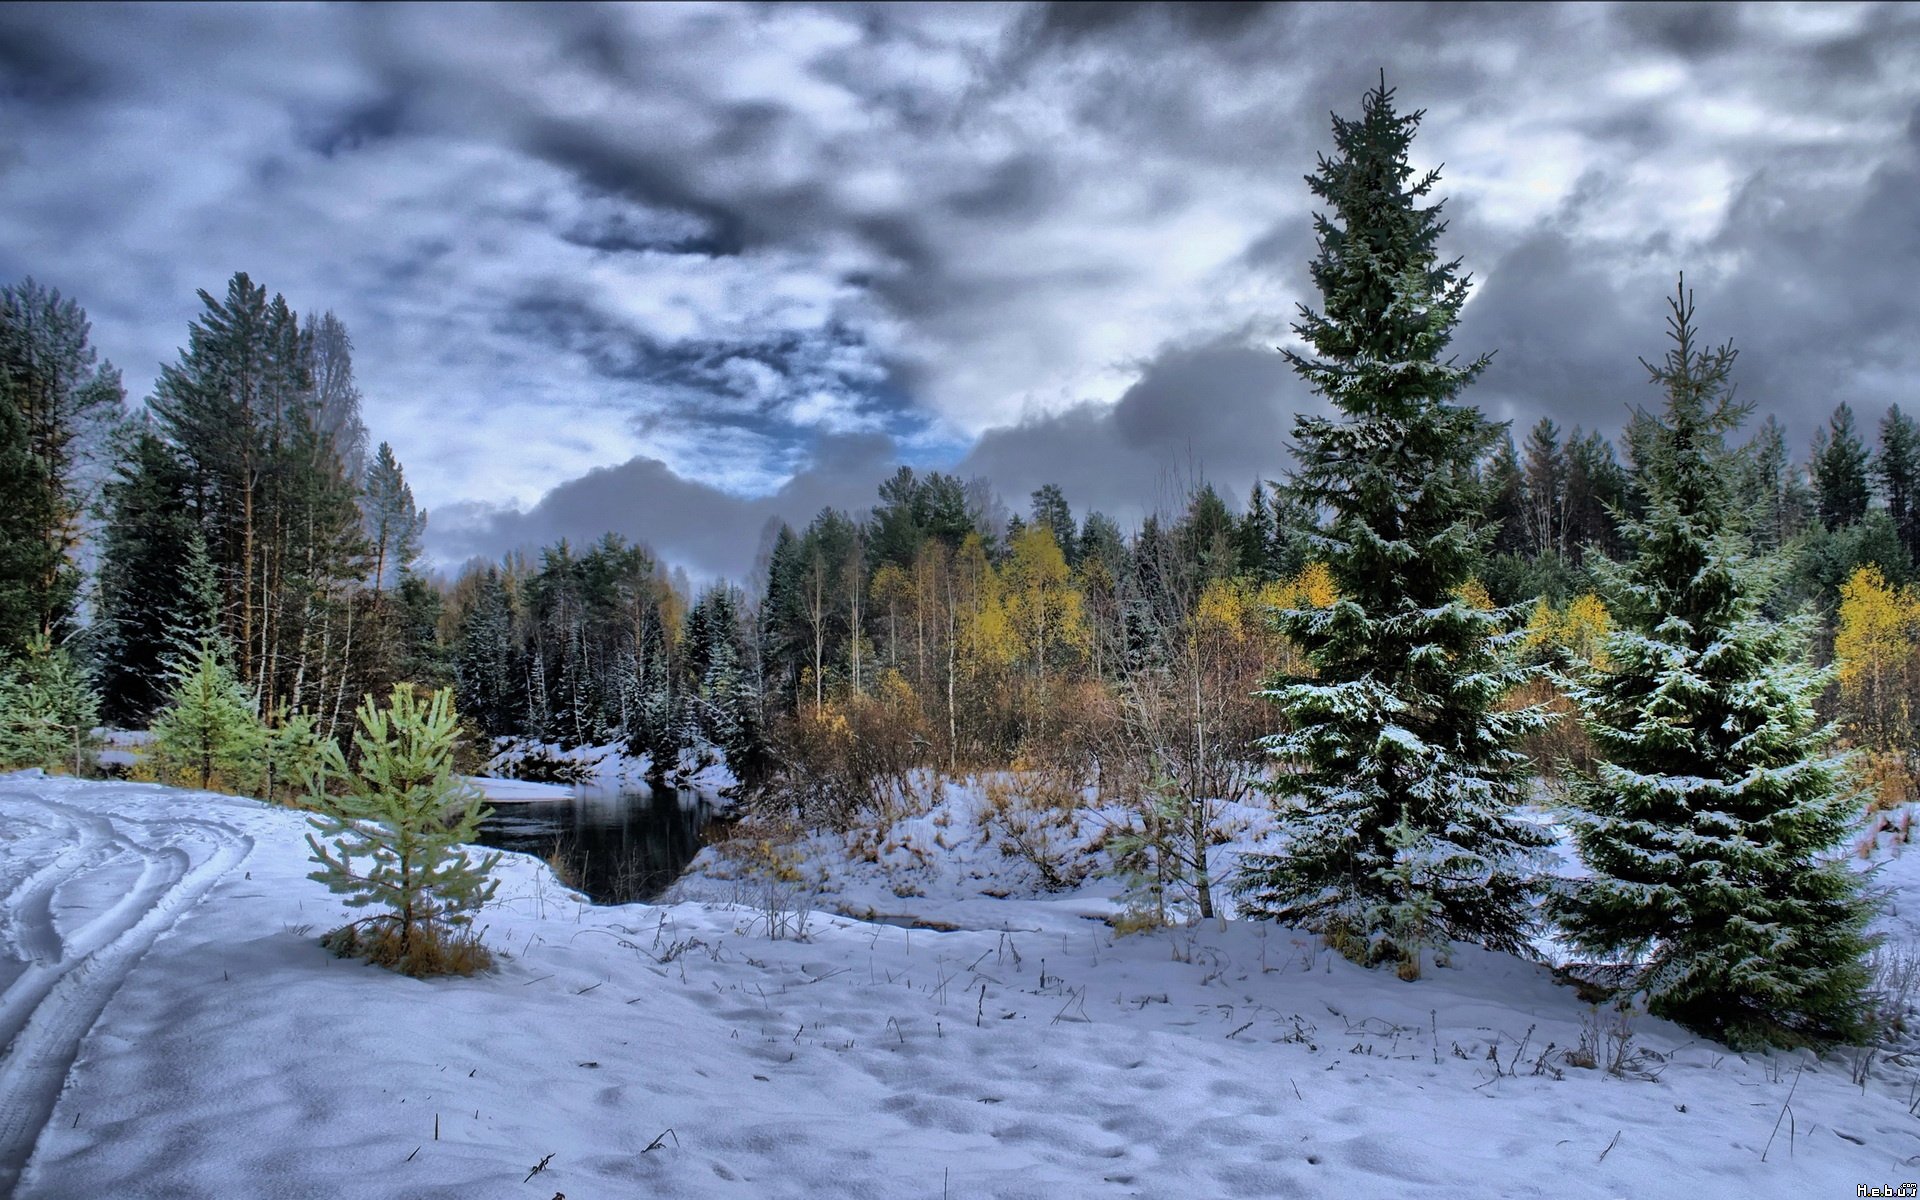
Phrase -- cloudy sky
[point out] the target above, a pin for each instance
(675, 269)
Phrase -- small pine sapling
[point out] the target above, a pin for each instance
(290, 756)
(209, 733)
(395, 839)
(47, 710)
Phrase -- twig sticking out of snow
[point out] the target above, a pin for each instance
(657, 1142)
(1786, 1113)
(1610, 1146)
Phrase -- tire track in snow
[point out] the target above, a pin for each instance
(46, 1012)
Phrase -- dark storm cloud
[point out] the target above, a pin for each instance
(1578, 368)
(37, 69)
(1218, 413)
(674, 270)
(713, 533)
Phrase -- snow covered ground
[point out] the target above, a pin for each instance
(175, 1030)
(606, 766)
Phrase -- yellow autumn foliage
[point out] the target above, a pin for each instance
(1876, 646)
(1475, 594)
(1044, 610)
(1580, 629)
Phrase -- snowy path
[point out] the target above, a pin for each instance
(75, 925)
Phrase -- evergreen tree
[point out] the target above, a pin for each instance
(394, 524)
(1507, 503)
(1100, 538)
(415, 616)
(1206, 538)
(1255, 541)
(154, 579)
(1897, 468)
(1710, 819)
(210, 733)
(483, 658)
(779, 625)
(28, 556)
(1840, 471)
(1546, 474)
(396, 837)
(653, 730)
(47, 711)
(243, 410)
(1773, 495)
(1051, 512)
(67, 403)
(944, 511)
(1596, 490)
(1400, 820)
(897, 528)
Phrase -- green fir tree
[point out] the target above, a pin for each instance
(1399, 812)
(1710, 822)
(47, 711)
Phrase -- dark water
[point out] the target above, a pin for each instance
(617, 847)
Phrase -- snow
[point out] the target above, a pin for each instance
(176, 1031)
(609, 765)
(517, 791)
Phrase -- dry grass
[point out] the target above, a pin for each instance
(424, 951)
(1034, 816)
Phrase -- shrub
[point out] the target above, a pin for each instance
(851, 761)
(1035, 817)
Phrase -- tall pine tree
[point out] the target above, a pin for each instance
(154, 579)
(1400, 817)
(1897, 469)
(1709, 821)
(66, 403)
(1840, 471)
(28, 556)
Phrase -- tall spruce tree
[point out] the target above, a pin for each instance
(484, 659)
(247, 415)
(394, 524)
(1400, 820)
(154, 579)
(67, 403)
(1709, 820)
(28, 556)
(1897, 470)
(1840, 471)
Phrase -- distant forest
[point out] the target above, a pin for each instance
(246, 503)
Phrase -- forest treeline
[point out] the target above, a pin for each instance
(242, 503)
